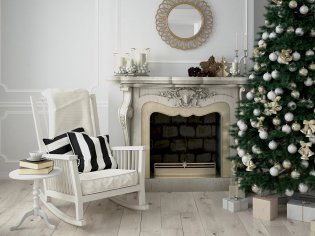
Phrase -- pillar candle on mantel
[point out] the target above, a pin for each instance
(236, 41)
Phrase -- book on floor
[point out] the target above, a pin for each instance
(36, 165)
(28, 171)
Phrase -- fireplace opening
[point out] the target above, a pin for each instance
(185, 146)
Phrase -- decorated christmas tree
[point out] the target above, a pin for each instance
(275, 132)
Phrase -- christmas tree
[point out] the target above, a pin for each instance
(275, 132)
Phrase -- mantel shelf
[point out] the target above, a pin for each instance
(145, 81)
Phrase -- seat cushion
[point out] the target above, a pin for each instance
(105, 180)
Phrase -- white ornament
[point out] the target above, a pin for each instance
(263, 134)
(243, 127)
(273, 145)
(240, 122)
(288, 116)
(311, 1)
(271, 95)
(292, 105)
(272, 35)
(279, 91)
(305, 164)
(312, 173)
(253, 124)
(304, 9)
(249, 96)
(286, 129)
(303, 188)
(289, 192)
(295, 174)
(308, 81)
(299, 31)
(256, 150)
(292, 148)
(275, 74)
(274, 171)
(293, 4)
(252, 76)
(296, 56)
(246, 158)
(256, 189)
(240, 152)
(273, 56)
(267, 76)
(265, 35)
(279, 29)
(261, 43)
(240, 133)
(256, 112)
(309, 53)
(286, 164)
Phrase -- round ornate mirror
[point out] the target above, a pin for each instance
(184, 24)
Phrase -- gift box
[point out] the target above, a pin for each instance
(235, 204)
(301, 210)
(234, 191)
(265, 208)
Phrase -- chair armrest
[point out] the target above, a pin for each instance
(129, 148)
(61, 157)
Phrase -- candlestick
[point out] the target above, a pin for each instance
(236, 41)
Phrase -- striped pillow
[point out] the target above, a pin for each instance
(93, 152)
(60, 144)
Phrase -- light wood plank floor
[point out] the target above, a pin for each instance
(173, 213)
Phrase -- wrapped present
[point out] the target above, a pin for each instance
(301, 210)
(265, 208)
(235, 204)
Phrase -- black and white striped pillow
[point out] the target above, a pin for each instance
(60, 144)
(93, 152)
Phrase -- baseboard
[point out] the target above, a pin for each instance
(187, 184)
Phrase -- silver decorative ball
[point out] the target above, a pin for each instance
(292, 148)
(288, 117)
(274, 171)
(272, 35)
(311, 66)
(272, 145)
(273, 56)
(271, 95)
(275, 74)
(276, 121)
(265, 35)
(305, 164)
(292, 67)
(267, 76)
(289, 192)
(249, 96)
(292, 105)
(308, 82)
(303, 72)
(304, 9)
(279, 29)
(303, 188)
(256, 112)
(286, 129)
(296, 56)
(256, 189)
(279, 91)
(299, 31)
(309, 53)
(252, 76)
(286, 164)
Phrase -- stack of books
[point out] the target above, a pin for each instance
(40, 167)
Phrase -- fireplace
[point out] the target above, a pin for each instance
(187, 99)
(184, 146)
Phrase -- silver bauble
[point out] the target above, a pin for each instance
(286, 164)
(249, 96)
(275, 74)
(309, 53)
(289, 192)
(308, 82)
(274, 171)
(271, 95)
(312, 139)
(273, 56)
(272, 145)
(304, 9)
(292, 105)
(252, 76)
(299, 31)
(296, 126)
(240, 133)
(288, 117)
(279, 29)
(305, 164)
(292, 67)
(272, 35)
(311, 1)
(303, 188)
(267, 76)
(312, 33)
(295, 174)
(279, 91)
(256, 189)
(292, 85)
(311, 66)
(292, 148)
(286, 129)
(263, 134)
(296, 56)
(256, 112)
(293, 4)
(265, 35)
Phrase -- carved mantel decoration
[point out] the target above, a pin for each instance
(174, 96)
(187, 97)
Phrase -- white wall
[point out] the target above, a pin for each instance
(70, 43)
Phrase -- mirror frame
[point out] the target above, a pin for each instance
(162, 26)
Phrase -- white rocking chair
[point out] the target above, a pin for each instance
(68, 186)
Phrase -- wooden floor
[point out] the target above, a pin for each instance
(173, 213)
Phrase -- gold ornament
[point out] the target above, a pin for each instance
(296, 126)
(305, 150)
(261, 90)
(312, 33)
(273, 107)
(258, 52)
(286, 56)
(309, 127)
(278, 2)
(256, 67)
(295, 174)
(260, 121)
(293, 4)
(250, 165)
(256, 189)
(311, 66)
(290, 29)
(286, 164)
(292, 85)
(295, 94)
(276, 121)
(303, 72)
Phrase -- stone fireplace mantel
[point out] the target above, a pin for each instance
(185, 96)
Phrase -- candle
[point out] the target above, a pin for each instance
(246, 16)
(245, 41)
(236, 41)
(121, 61)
